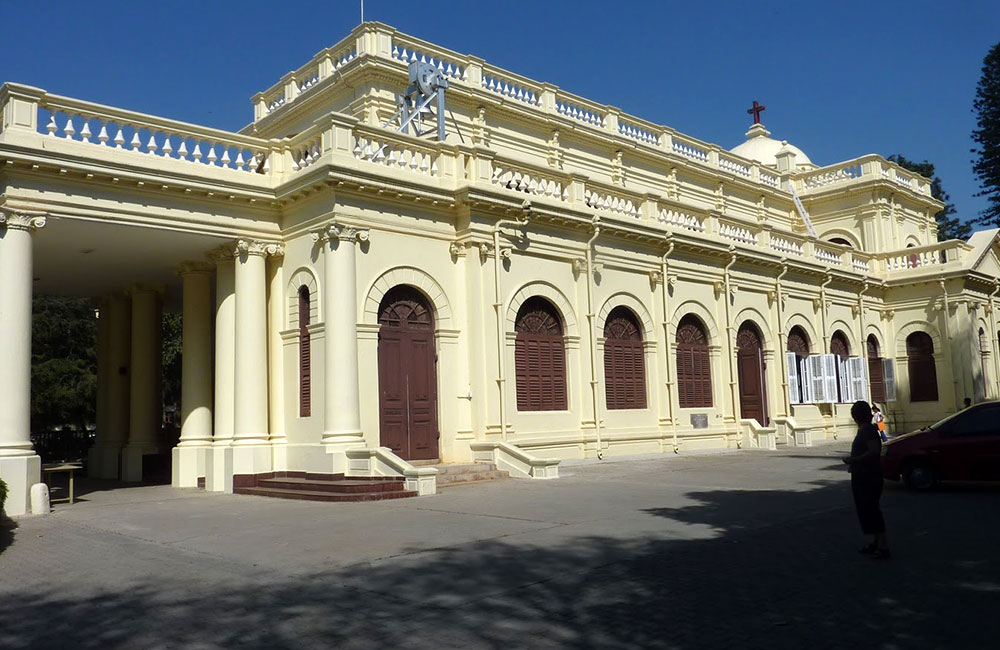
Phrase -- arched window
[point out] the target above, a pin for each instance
(624, 367)
(305, 357)
(539, 357)
(694, 371)
(876, 373)
(840, 348)
(920, 367)
(798, 342)
(841, 241)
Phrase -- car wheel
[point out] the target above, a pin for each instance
(919, 476)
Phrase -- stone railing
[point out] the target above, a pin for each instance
(690, 148)
(827, 255)
(787, 245)
(512, 176)
(322, 66)
(580, 109)
(409, 52)
(621, 205)
(305, 149)
(98, 126)
(869, 167)
(678, 220)
(831, 175)
(505, 84)
(737, 232)
(638, 133)
(916, 257)
(734, 165)
(395, 151)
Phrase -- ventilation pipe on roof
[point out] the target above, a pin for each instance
(497, 307)
(591, 325)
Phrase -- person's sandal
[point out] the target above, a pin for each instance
(881, 554)
(867, 549)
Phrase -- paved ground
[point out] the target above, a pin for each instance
(742, 550)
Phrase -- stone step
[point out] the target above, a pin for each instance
(342, 486)
(482, 476)
(457, 468)
(318, 495)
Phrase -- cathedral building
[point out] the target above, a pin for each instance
(552, 279)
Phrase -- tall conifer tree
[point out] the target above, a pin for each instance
(986, 135)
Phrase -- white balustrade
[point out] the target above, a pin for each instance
(143, 136)
(308, 79)
(680, 220)
(784, 245)
(579, 113)
(823, 177)
(512, 178)
(769, 179)
(859, 264)
(689, 150)
(612, 203)
(738, 233)
(507, 88)
(638, 133)
(735, 167)
(306, 153)
(912, 259)
(395, 155)
(409, 55)
(826, 256)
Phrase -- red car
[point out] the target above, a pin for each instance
(965, 446)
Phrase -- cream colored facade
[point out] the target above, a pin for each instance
(536, 192)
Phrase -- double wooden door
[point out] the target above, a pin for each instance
(750, 372)
(407, 376)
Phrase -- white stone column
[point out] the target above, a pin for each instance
(20, 466)
(276, 306)
(219, 465)
(251, 449)
(188, 457)
(145, 396)
(95, 467)
(342, 406)
(119, 383)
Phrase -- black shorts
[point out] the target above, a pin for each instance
(867, 490)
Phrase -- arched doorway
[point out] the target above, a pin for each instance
(876, 374)
(750, 373)
(407, 375)
(539, 357)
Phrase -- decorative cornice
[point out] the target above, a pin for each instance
(335, 231)
(189, 267)
(21, 221)
(257, 247)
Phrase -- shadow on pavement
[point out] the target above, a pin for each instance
(7, 528)
(777, 569)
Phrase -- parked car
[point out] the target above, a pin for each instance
(965, 446)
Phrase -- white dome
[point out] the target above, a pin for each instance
(764, 149)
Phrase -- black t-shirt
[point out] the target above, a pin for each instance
(859, 447)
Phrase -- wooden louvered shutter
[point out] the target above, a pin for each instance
(305, 355)
(624, 364)
(539, 358)
(694, 374)
(921, 368)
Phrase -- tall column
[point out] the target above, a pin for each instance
(20, 466)
(188, 457)
(119, 382)
(96, 467)
(219, 465)
(251, 449)
(342, 406)
(276, 307)
(145, 396)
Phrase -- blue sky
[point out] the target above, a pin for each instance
(839, 79)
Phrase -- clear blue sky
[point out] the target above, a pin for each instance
(839, 79)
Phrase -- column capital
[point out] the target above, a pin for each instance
(21, 220)
(140, 287)
(221, 254)
(258, 247)
(335, 231)
(193, 267)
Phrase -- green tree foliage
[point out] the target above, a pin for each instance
(986, 135)
(63, 363)
(172, 347)
(949, 227)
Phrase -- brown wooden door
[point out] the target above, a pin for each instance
(750, 374)
(407, 376)
(876, 375)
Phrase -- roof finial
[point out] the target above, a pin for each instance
(756, 111)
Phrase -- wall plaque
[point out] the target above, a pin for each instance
(699, 420)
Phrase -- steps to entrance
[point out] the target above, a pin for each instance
(320, 487)
(452, 475)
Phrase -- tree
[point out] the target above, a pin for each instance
(949, 227)
(986, 135)
(63, 363)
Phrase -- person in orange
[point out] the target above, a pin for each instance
(879, 421)
(866, 481)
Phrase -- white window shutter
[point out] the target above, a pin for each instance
(860, 380)
(829, 367)
(805, 380)
(846, 386)
(792, 368)
(889, 376)
(817, 386)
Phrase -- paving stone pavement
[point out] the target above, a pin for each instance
(746, 550)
